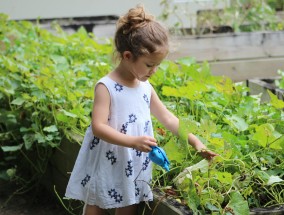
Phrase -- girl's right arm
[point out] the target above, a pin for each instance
(102, 130)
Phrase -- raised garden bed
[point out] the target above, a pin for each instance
(240, 56)
(279, 210)
(62, 164)
(161, 205)
(250, 161)
(258, 86)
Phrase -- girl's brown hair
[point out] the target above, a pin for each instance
(139, 33)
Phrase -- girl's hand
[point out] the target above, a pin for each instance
(200, 147)
(207, 154)
(144, 143)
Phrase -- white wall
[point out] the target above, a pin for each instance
(32, 9)
(44, 9)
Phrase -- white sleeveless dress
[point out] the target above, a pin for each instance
(112, 176)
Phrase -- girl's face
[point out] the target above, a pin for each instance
(145, 66)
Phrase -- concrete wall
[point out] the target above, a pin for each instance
(32, 9)
(46, 9)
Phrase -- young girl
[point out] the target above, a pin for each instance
(113, 169)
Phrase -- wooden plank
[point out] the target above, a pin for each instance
(229, 46)
(256, 89)
(260, 86)
(240, 70)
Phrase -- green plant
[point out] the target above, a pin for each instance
(280, 83)
(252, 15)
(277, 5)
(224, 16)
(46, 94)
(247, 135)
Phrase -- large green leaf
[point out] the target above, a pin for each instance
(237, 123)
(174, 152)
(201, 166)
(193, 199)
(223, 177)
(11, 148)
(274, 179)
(265, 134)
(277, 103)
(187, 126)
(51, 128)
(237, 204)
(18, 101)
(29, 140)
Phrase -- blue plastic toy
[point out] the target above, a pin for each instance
(158, 156)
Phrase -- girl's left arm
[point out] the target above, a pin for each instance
(171, 122)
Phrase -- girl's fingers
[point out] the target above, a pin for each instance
(153, 139)
(152, 142)
(208, 154)
(146, 148)
(211, 155)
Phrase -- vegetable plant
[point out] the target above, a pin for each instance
(46, 94)
(247, 135)
(235, 16)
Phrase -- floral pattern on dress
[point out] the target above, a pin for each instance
(124, 128)
(110, 156)
(137, 190)
(129, 168)
(94, 142)
(146, 126)
(131, 119)
(146, 163)
(138, 153)
(85, 180)
(114, 195)
(146, 99)
(118, 87)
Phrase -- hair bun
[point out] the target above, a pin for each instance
(134, 19)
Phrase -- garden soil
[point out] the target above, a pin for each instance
(29, 203)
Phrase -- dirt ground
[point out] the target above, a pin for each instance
(29, 204)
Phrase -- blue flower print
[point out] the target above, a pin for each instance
(118, 198)
(94, 143)
(118, 87)
(129, 169)
(124, 128)
(85, 180)
(132, 118)
(146, 126)
(137, 190)
(146, 163)
(110, 156)
(138, 153)
(113, 194)
(146, 99)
